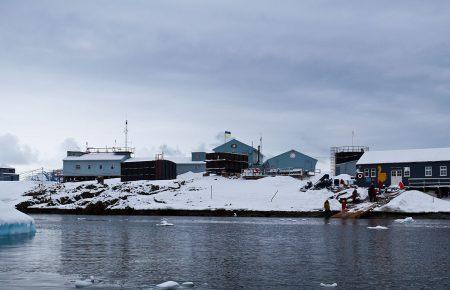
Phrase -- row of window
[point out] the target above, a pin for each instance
(78, 166)
(372, 172)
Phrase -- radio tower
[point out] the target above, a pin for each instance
(126, 134)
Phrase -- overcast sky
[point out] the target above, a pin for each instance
(304, 74)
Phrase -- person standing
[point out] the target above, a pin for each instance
(371, 193)
(344, 204)
(326, 207)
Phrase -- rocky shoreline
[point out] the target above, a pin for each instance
(222, 213)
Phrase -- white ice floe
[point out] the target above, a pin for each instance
(14, 222)
(84, 283)
(164, 223)
(377, 228)
(169, 285)
(328, 285)
(407, 220)
(187, 285)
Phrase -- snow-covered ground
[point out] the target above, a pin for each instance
(196, 192)
(11, 192)
(190, 192)
(416, 202)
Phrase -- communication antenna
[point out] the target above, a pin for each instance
(126, 134)
(353, 136)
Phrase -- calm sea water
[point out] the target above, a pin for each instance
(227, 253)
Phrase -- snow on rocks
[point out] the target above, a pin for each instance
(407, 220)
(378, 228)
(328, 285)
(14, 222)
(169, 285)
(416, 202)
(189, 192)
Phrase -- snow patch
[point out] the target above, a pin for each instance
(416, 202)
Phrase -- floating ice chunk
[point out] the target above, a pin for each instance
(187, 285)
(84, 283)
(164, 223)
(377, 228)
(328, 285)
(14, 222)
(405, 220)
(169, 285)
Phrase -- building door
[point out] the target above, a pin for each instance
(396, 177)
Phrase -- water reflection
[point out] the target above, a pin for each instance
(15, 240)
(229, 253)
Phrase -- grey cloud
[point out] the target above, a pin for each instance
(303, 73)
(14, 153)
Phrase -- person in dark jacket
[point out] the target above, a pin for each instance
(355, 196)
(372, 193)
(326, 207)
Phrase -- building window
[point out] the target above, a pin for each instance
(407, 171)
(101, 166)
(428, 171)
(78, 166)
(89, 166)
(373, 172)
(366, 172)
(443, 170)
(112, 166)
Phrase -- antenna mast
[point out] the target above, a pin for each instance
(126, 134)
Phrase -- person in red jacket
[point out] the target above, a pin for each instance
(344, 204)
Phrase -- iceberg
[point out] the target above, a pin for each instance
(168, 285)
(164, 223)
(378, 228)
(328, 285)
(13, 222)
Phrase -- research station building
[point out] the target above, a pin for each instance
(89, 165)
(8, 173)
(415, 168)
(290, 161)
(255, 157)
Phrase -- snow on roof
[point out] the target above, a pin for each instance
(5, 166)
(404, 156)
(96, 157)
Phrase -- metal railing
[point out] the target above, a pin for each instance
(429, 182)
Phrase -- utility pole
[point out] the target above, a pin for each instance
(353, 136)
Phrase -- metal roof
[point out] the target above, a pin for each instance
(405, 156)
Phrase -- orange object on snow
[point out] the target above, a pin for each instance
(401, 185)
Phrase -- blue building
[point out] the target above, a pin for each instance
(8, 173)
(236, 146)
(415, 168)
(291, 160)
(80, 166)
